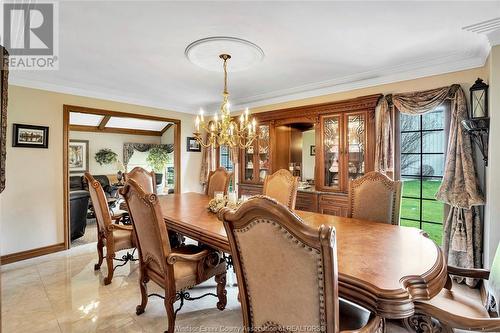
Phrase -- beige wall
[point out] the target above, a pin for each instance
(113, 141)
(31, 207)
(308, 161)
(464, 78)
(492, 209)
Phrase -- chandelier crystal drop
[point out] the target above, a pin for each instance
(223, 130)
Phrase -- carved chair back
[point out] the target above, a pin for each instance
(149, 227)
(146, 179)
(99, 203)
(280, 261)
(218, 180)
(282, 186)
(375, 197)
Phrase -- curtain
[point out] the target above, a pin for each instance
(207, 164)
(384, 156)
(129, 148)
(462, 241)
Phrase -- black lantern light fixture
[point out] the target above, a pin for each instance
(478, 124)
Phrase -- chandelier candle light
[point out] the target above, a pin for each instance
(225, 131)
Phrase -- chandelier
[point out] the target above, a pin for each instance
(223, 130)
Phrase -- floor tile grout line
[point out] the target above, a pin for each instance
(48, 298)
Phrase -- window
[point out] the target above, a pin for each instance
(423, 147)
(225, 162)
(225, 158)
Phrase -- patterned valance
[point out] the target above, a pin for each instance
(129, 148)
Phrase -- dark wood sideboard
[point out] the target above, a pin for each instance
(309, 200)
(341, 147)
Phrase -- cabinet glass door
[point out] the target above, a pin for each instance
(331, 151)
(248, 173)
(356, 145)
(263, 153)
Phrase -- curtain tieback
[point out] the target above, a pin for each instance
(459, 238)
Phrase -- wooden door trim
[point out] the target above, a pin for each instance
(67, 109)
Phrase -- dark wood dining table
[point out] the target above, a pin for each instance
(381, 267)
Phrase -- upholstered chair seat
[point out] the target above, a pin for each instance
(282, 187)
(123, 238)
(287, 272)
(352, 317)
(218, 181)
(375, 197)
(173, 269)
(460, 307)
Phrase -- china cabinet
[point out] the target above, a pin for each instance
(326, 145)
(256, 159)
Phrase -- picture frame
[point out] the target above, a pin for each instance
(312, 150)
(192, 144)
(30, 136)
(78, 156)
(4, 83)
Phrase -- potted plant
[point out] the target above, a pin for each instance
(105, 156)
(157, 159)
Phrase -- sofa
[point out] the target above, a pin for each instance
(78, 206)
(77, 183)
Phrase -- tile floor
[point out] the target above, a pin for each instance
(62, 293)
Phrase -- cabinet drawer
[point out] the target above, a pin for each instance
(334, 204)
(250, 190)
(307, 202)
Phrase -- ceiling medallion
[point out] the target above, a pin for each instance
(205, 52)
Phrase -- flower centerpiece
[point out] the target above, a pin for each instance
(229, 201)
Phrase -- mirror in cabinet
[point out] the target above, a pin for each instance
(295, 151)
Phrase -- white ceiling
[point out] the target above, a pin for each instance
(76, 118)
(134, 51)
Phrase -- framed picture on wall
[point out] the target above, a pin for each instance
(78, 156)
(192, 144)
(312, 150)
(30, 136)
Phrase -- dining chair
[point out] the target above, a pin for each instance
(147, 180)
(111, 235)
(461, 307)
(175, 270)
(375, 197)
(287, 272)
(218, 181)
(282, 186)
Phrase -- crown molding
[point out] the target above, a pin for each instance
(418, 69)
(110, 96)
(452, 62)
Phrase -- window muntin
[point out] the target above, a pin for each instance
(422, 154)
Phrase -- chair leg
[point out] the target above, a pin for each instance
(221, 291)
(109, 263)
(100, 247)
(144, 296)
(169, 307)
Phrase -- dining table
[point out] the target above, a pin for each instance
(382, 267)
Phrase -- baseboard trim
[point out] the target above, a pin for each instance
(18, 256)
